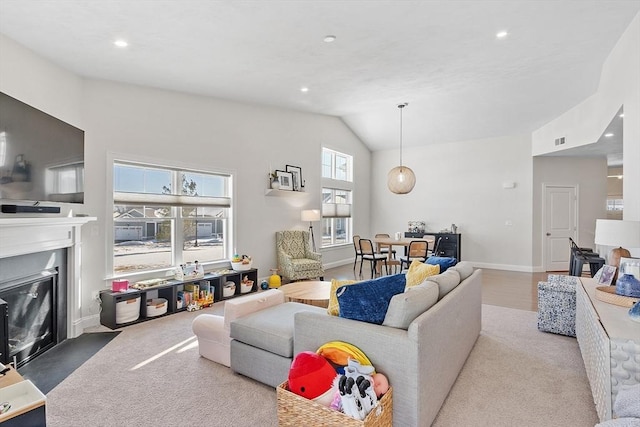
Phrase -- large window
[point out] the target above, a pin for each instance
(163, 217)
(337, 193)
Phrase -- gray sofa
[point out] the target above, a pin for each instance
(421, 362)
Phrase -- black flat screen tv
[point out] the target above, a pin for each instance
(41, 157)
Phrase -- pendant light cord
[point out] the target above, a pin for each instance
(401, 106)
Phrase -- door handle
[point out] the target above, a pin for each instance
(548, 234)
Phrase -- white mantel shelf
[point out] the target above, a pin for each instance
(58, 220)
(26, 235)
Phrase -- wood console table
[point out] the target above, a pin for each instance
(610, 345)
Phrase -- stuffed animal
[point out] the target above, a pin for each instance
(311, 376)
(380, 384)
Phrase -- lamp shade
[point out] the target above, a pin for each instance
(613, 232)
(310, 215)
(401, 180)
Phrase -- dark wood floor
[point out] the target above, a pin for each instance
(499, 287)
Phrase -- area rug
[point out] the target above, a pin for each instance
(152, 375)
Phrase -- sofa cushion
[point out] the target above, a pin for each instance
(442, 261)
(464, 268)
(368, 300)
(419, 271)
(446, 282)
(270, 329)
(333, 308)
(405, 307)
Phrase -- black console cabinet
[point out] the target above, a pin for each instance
(447, 244)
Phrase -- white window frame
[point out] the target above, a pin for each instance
(333, 184)
(177, 201)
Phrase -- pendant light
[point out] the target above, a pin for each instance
(401, 179)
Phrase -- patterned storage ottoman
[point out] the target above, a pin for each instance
(557, 305)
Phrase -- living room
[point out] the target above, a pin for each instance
(458, 181)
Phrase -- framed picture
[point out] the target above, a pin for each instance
(607, 275)
(285, 179)
(296, 172)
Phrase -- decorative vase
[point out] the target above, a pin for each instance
(628, 286)
(275, 184)
(634, 312)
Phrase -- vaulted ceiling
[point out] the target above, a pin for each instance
(442, 57)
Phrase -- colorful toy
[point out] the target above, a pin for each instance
(312, 376)
(274, 279)
(339, 353)
(380, 384)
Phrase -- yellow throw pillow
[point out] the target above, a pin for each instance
(418, 271)
(334, 308)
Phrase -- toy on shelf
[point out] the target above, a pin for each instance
(241, 263)
(189, 271)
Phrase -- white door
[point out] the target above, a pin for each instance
(559, 224)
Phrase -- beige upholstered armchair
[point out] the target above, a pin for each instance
(295, 259)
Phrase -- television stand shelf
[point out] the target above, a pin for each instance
(169, 291)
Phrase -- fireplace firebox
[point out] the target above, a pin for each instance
(33, 290)
(31, 315)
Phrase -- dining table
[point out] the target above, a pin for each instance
(390, 242)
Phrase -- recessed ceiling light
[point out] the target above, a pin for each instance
(304, 89)
(502, 34)
(608, 135)
(621, 115)
(329, 39)
(121, 43)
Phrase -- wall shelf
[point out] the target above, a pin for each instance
(284, 193)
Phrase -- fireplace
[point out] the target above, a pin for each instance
(40, 294)
(35, 304)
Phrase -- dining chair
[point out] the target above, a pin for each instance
(430, 249)
(368, 254)
(356, 247)
(417, 250)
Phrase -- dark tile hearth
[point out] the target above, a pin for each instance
(52, 367)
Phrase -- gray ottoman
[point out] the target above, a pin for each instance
(557, 305)
(262, 342)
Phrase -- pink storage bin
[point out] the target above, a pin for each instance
(119, 285)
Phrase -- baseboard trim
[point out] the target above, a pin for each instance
(340, 263)
(90, 321)
(508, 267)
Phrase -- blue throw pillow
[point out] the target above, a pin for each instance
(443, 261)
(368, 300)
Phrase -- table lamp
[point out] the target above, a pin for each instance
(311, 215)
(618, 233)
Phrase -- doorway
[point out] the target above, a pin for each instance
(560, 218)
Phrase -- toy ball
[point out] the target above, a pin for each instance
(264, 285)
(311, 375)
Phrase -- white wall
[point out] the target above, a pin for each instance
(590, 176)
(583, 124)
(462, 183)
(200, 132)
(39, 83)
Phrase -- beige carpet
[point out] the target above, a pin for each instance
(151, 375)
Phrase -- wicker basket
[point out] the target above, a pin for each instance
(296, 411)
(608, 294)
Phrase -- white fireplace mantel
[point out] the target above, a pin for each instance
(26, 235)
